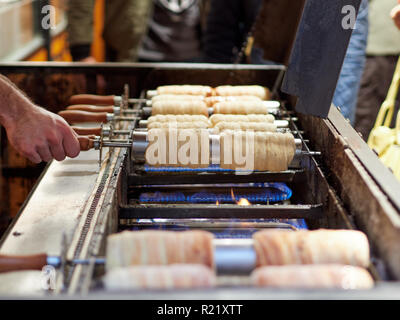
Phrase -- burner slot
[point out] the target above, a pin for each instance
(272, 192)
(221, 228)
(141, 177)
(225, 211)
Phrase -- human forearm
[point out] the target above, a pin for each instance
(34, 132)
(12, 102)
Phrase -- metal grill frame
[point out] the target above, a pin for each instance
(367, 203)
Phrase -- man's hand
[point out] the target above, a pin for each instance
(40, 135)
(395, 14)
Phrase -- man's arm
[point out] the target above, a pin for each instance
(35, 133)
(396, 14)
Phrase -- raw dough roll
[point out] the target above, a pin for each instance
(178, 148)
(255, 126)
(179, 107)
(211, 101)
(312, 276)
(311, 247)
(240, 107)
(177, 276)
(265, 151)
(177, 118)
(166, 97)
(258, 91)
(215, 118)
(179, 125)
(130, 248)
(195, 90)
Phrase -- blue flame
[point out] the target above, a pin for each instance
(211, 168)
(268, 193)
(232, 232)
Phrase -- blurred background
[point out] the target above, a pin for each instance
(23, 39)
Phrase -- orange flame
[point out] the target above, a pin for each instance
(233, 195)
(217, 203)
(242, 201)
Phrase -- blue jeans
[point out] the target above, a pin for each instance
(348, 85)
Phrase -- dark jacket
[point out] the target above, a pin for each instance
(228, 24)
(174, 33)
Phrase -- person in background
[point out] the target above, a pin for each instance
(35, 133)
(395, 14)
(125, 24)
(382, 54)
(348, 85)
(228, 25)
(174, 32)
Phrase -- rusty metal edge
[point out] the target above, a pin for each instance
(386, 181)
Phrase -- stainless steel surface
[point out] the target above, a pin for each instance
(117, 100)
(111, 117)
(234, 256)
(139, 145)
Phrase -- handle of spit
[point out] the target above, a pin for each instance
(95, 99)
(91, 108)
(232, 256)
(87, 131)
(16, 263)
(79, 116)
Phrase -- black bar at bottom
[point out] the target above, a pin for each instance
(196, 211)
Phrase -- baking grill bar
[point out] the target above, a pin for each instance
(224, 224)
(144, 178)
(196, 211)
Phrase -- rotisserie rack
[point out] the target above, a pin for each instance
(325, 186)
(232, 206)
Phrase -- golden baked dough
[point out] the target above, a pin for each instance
(166, 97)
(176, 276)
(130, 248)
(215, 118)
(254, 90)
(178, 125)
(311, 247)
(178, 147)
(269, 151)
(240, 125)
(196, 90)
(179, 107)
(312, 276)
(177, 118)
(211, 101)
(240, 107)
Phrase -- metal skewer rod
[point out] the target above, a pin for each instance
(231, 256)
(311, 153)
